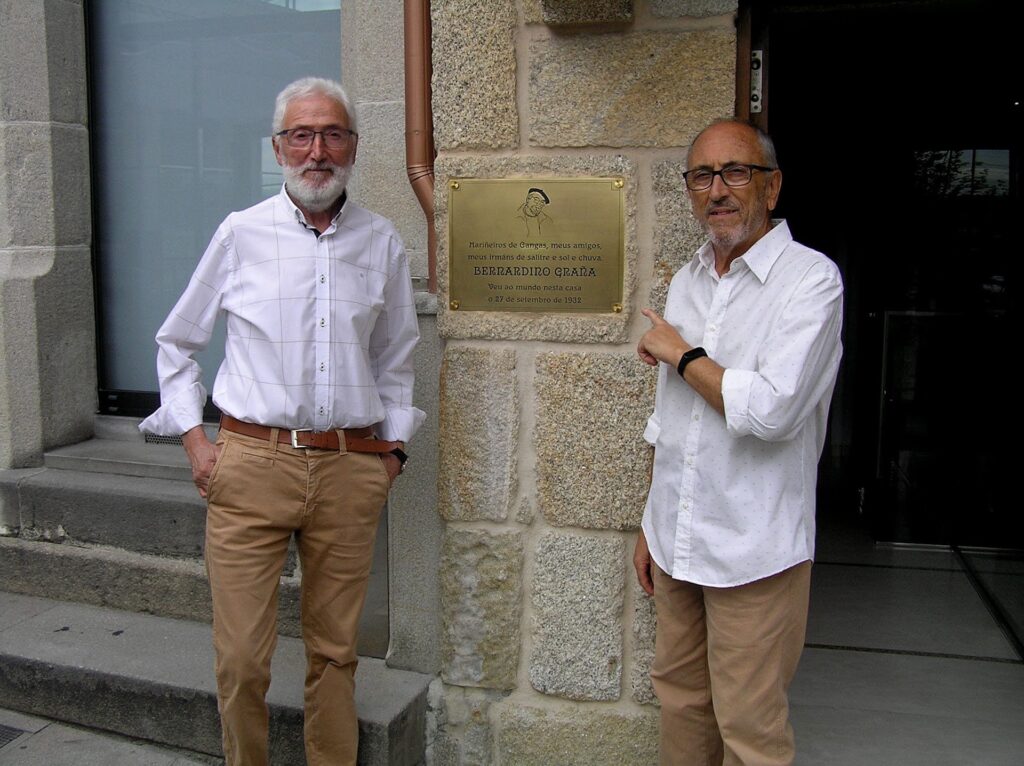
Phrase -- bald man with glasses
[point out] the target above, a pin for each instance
(747, 356)
(316, 398)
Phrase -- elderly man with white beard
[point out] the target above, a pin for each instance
(315, 393)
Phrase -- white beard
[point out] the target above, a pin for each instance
(316, 198)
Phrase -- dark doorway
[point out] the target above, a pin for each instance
(898, 128)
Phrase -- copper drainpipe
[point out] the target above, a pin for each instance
(419, 121)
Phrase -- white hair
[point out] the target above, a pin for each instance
(312, 86)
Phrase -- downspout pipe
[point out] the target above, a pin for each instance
(419, 121)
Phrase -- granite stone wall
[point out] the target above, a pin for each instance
(547, 639)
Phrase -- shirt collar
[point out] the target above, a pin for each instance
(301, 218)
(759, 258)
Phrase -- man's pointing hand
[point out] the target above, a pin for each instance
(662, 343)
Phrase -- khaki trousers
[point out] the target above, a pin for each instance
(260, 493)
(724, 659)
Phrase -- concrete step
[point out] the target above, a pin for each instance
(152, 677)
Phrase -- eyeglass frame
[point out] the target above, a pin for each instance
(721, 173)
(348, 132)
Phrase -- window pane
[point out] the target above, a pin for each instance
(963, 172)
(182, 100)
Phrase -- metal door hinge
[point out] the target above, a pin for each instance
(756, 91)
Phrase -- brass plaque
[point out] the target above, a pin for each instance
(542, 245)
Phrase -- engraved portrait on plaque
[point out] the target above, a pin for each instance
(541, 245)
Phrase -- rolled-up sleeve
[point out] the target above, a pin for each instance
(392, 344)
(653, 429)
(187, 330)
(796, 367)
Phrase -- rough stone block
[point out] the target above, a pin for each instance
(562, 327)
(26, 185)
(480, 422)
(474, 84)
(532, 11)
(72, 222)
(568, 12)
(592, 462)
(415, 531)
(677, 235)
(693, 8)
(639, 89)
(66, 337)
(382, 183)
(24, 91)
(532, 736)
(373, 61)
(577, 608)
(481, 603)
(65, 55)
(644, 624)
(21, 435)
(464, 726)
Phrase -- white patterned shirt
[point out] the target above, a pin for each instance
(320, 329)
(732, 498)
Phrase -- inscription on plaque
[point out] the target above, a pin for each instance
(544, 245)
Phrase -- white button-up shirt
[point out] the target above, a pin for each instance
(320, 329)
(732, 499)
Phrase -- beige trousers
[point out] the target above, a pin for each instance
(724, 659)
(260, 493)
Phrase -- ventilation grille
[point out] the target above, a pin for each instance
(154, 439)
(8, 734)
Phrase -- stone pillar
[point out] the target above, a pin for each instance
(47, 337)
(372, 71)
(547, 640)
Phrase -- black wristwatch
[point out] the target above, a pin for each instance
(402, 457)
(689, 356)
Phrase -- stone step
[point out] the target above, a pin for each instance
(110, 577)
(152, 677)
(142, 514)
(136, 543)
(126, 458)
(119, 579)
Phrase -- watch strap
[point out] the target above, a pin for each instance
(689, 356)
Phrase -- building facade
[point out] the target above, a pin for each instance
(510, 537)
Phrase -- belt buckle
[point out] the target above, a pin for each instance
(295, 438)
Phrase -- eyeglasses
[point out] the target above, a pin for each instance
(302, 138)
(732, 176)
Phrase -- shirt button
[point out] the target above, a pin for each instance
(321, 410)
(322, 366)
(323, 322)
(322, 279)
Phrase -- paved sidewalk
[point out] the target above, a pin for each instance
(50, 743)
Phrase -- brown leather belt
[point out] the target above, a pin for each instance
(356, 439)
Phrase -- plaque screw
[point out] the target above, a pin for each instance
(617, 308)
(454, 305)
(618, 183)
(454, 184)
